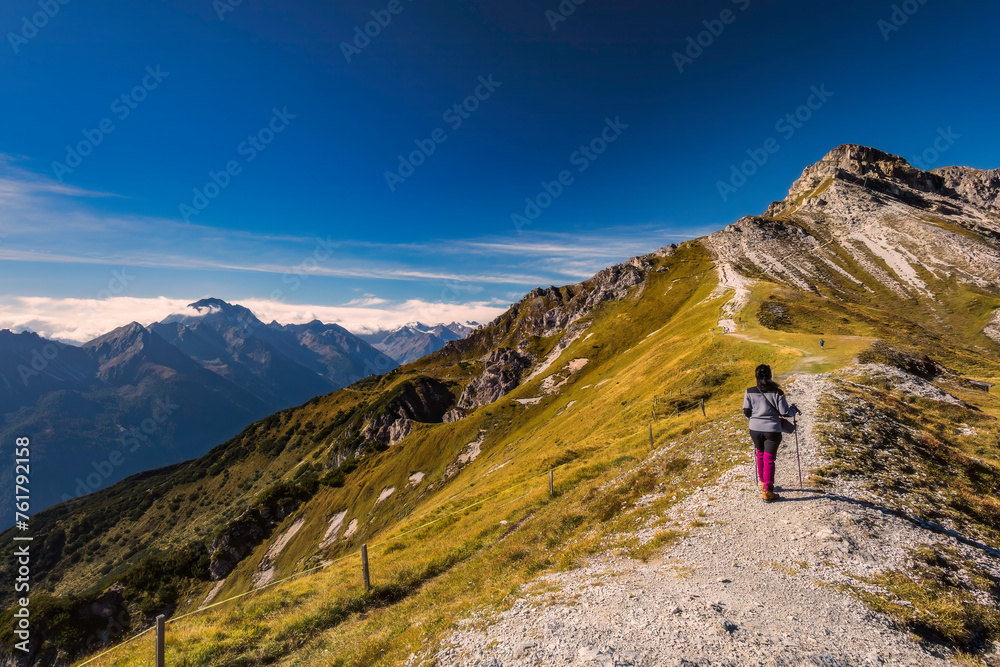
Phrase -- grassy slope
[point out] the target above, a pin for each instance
(427, 580)
(658, 344)
(589, 441)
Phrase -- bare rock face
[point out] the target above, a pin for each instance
(873, 169)
(993, 328)
(423, 400)
(860, 220)
(980, 187)
(504, 368)
(244, 533)
(614, 282)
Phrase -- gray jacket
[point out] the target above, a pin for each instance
(760, 409)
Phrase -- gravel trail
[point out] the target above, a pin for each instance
(756, 586)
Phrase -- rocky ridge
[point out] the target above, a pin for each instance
(980, 187)
(542, 312)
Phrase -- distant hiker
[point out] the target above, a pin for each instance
(821, 341)
(765, 405)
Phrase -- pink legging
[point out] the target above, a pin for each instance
(766, 449)
(765, 469)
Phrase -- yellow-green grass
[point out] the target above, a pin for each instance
(446, 571)
(655, 342)
(604, 432)
(933, 459)
(938, 599)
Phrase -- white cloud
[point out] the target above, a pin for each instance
(80, 320)
(361, 318)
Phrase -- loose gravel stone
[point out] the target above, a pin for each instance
(756, 586)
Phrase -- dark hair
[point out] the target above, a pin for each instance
(764, 381)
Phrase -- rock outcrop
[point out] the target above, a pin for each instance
(980, 187)
(861, 220)
(543, 312)
(424, 400)
(504, 368)
(248, 530)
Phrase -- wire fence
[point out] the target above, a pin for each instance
(678, 409)
(161, 621)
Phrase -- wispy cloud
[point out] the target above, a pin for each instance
(46, 221)
(179, 262)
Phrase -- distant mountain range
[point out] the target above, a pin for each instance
(145, 396)
(412, 341)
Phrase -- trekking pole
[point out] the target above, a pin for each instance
(797, 457)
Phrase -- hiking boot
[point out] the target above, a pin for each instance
(770, 496)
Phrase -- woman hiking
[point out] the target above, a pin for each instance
(765, 405)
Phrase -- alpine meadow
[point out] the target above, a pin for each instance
(499, 333)
(626, 389)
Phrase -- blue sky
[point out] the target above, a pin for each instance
(300, 131)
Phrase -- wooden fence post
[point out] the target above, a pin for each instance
(703, 408)
(160, 630)
(551, 486)
(364, 567)
(650, 436)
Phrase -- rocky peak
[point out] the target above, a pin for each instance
(861, 217)
(860, 165)
(132, 335)
(212, 303)
(216, 312)
(890, 175)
